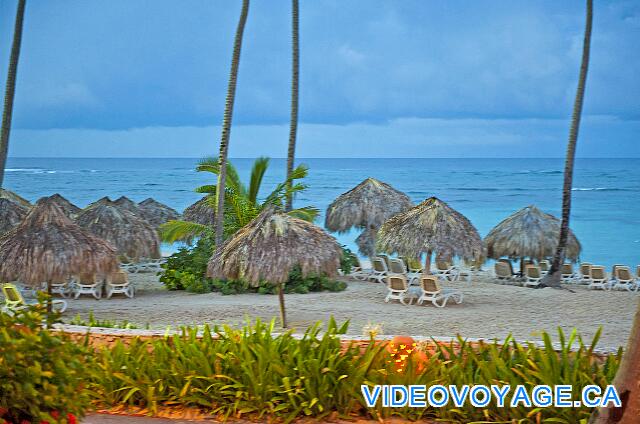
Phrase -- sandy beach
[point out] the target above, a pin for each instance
(489, 310)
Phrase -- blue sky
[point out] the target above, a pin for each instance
(378, 78)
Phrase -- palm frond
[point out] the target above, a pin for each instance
(212, 165)
(307, 213)
(207, 188)
(175, 230)
(257, 173)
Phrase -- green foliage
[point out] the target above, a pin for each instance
(241, 202)
(348, 260)
(253, 372)
(42, 373)
(92, 321)
(301, 285)
(186, 264)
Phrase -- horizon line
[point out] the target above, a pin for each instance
(332, 158)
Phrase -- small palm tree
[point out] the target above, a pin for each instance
(241, 202)
(226, 122)
(10, 90)
(553, 278)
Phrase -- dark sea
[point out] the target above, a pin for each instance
(606, 194)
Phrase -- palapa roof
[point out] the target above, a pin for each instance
(48, 246)
(10, 195)
(201, 212)
(68, 208)
(127, 204)
(431, 226)
(529, 233)
(132, 236)
(157, 213)
(366, 242)
(367, 205)
(271, 245)
(11, 214)
(101, 201)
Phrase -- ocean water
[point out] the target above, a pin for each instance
(606, 196)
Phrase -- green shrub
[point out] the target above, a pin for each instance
(92, 321)
(253, 372)
(189, 261)
(348, 260)
(42, 373)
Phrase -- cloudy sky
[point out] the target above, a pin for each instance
(378, 78)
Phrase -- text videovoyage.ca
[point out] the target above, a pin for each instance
(439, 396)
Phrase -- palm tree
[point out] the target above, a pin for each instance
(226, 123)
(553, 279)
(241, 202)
(10, 88)
(293, 126)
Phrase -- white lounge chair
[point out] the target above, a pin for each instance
(624, 279)
(503, 272)
(63, 288)
(432, 292)
(599, 278)
(585, 273)
(568, 275)
(118, 282)
(397, 289)
(545, 266)
(380, 270)
(359, 272)
(87, 284)
(446, 271)
(398, 267)
(14, 301)
(533, 275)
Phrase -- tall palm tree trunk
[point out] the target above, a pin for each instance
(295, 70)
(10, 89)
(226, 123)
(293, 127)
(553, 278)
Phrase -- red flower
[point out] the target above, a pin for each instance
(2, 412)
(72, 419)
(54, 414)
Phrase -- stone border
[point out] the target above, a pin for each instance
(99, 337)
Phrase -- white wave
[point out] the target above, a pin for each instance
(590, 189)
(24, 170)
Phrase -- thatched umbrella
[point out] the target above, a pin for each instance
(157, 213)
(47, 246)
(270, 246)
(529, 233)
(201, 212)
(366, 206)
(102, 201)
(66, 206)
(366, 242)
(132, 236)
(11, 214)
(127, 204)
(10, 195)
(431, 227)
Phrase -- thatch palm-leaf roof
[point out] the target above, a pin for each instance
(68, 208)
(271, 245)
(47, 246)
(127, 204)
(367, 205)
(201, 212)
(529, 233)
(157, 213)
(11, 214)
(431, 227)
(10, 195)
(366, 242)
(101, 201)
(132, 236)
